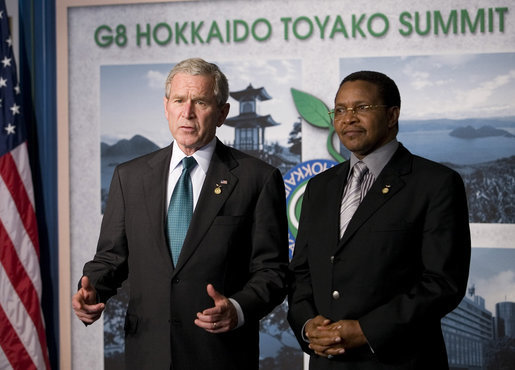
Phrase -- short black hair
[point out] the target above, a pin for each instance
(387, 88)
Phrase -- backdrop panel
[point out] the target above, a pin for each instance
(454, 63)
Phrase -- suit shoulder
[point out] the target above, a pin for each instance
(145, 159)
(322, 177)
(248, 161)
(436, 175)
(432, 167)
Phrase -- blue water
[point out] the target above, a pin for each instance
(439, 146)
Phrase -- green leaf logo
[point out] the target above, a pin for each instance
(315, 112)
(312, 109)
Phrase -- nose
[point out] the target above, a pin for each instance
(188, 109)
(349, 116)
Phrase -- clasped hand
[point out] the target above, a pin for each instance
(328, 338)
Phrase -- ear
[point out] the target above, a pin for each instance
(393, 116)
(224, 111)
(165, 102)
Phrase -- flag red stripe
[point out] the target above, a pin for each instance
(12, 346)
(23, 286)
(14, 183)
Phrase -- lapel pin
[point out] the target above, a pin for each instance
(223, 182)
(386, 189)
(218, 189)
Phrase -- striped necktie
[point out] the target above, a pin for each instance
(180, 209)
(352, 195)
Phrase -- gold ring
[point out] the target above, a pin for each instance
(214, 325)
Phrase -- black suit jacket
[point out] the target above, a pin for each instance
(401, 265)
(237, 241)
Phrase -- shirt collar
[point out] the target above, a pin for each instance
(376, 160)
(202, 155)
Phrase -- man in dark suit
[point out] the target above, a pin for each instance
(369, 293)
(202, 311)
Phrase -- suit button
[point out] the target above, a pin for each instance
(336, 294)
(332, 259)
(175, 281)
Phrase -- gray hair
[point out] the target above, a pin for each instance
(198, 66)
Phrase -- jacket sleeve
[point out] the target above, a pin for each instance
(266, 287)
(301, 306)
(444, 259)
(108, 269)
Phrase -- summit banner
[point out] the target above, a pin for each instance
(344, 26)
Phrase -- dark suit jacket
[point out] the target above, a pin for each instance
(401, 265)
(237, 241)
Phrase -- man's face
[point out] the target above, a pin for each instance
(192, 111)
(363, 132)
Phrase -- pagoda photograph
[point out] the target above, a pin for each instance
(249, 130)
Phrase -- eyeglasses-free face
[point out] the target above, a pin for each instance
(192, 111)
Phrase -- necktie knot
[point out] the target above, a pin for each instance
(359, 171)
(188, 163)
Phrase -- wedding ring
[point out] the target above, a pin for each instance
(214, 325)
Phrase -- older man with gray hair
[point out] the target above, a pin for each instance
(199, 230)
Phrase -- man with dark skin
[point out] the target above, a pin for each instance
(369, 293)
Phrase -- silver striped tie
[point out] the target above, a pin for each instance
(351, 195)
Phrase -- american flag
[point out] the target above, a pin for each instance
(22, 328)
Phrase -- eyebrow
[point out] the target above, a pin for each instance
(193, 98)
(358, 102)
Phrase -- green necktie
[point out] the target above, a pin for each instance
(180, 209)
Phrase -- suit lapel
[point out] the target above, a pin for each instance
(154, 185)
(384, 188)
(210, 202)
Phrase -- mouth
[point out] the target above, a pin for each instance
(187, 128)
(353, 132)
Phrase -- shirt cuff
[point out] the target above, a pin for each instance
(239, 312)
(303, 332)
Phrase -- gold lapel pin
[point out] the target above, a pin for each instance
(386, 189)
(218, 189)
